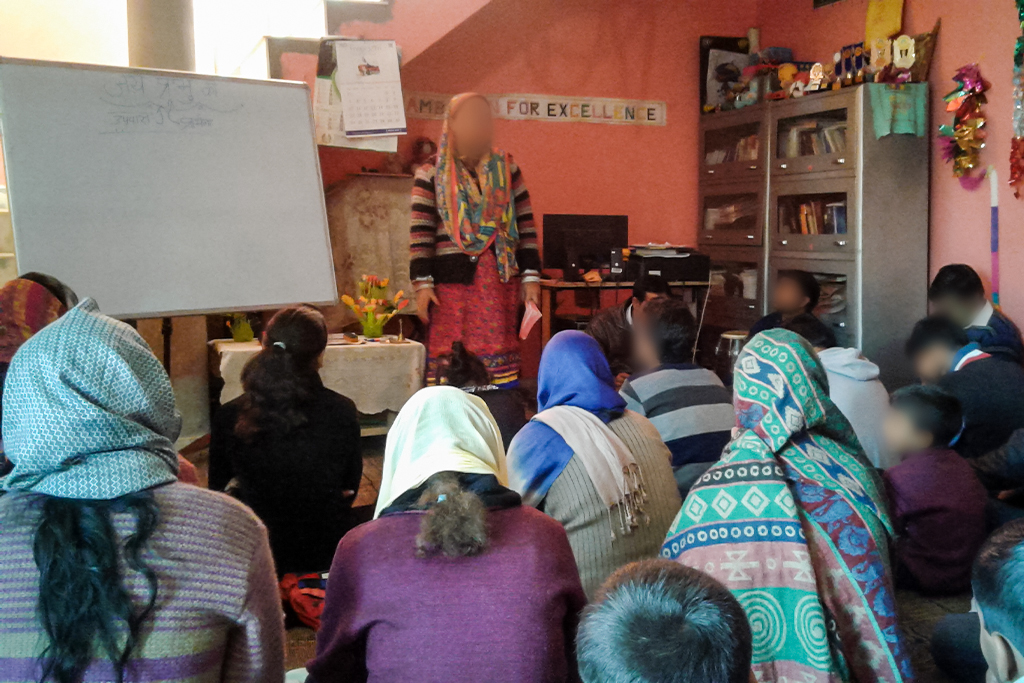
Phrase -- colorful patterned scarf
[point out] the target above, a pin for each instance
(792, 520)
(25, 308)
(88, 411)
(477, 212)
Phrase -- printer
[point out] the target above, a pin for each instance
(675, 264)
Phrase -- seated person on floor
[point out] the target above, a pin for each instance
(937, 503)
(990, 390)
(1002, 471)
(795, 292)
(656, 621)
(998, 583)
(613, 327)
(958, 293)
(563, 460)
(120, 572)
(454, 580)
(853, 385)
(467, 372)
(689, 405)
(291, 444)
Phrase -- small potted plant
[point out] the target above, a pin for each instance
(373, 307)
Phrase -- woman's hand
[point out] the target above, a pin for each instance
(531, 292)
(425, 295)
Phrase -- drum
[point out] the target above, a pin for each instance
(727, 350)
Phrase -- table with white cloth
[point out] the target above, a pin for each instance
(378, 377)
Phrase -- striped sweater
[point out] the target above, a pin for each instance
(434, 254)
(574, 501)
(690, 407)
(217, 616)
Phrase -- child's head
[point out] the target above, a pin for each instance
(933, 344)
(464, 369)
(998, 583)
(665, 333)
(795, 292)
(957, 293)
(650, 287)
(657, 620)
(921, 417)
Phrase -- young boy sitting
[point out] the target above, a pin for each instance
(689, 406)
(998, 583)
(937, 502)
(795, 292)
(657, 620)
(958, 293)
(990, 389)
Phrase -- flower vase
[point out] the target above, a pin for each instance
(373, 329)
(241, 328)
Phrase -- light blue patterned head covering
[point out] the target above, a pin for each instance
(88, 411)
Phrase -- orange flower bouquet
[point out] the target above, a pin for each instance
(373, 307)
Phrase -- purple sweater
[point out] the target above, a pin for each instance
(939, 509)
(217, 616)
(508, 614)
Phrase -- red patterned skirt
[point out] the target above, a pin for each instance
(481, 315)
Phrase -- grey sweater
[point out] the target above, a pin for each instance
(575, 503)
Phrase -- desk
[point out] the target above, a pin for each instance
(377, 377)
(551, 288)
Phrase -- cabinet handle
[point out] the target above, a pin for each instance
(840, 161)
(842, 324)
(751, 306)
(840, 243)
(711, 171)
(750, 237)
(783, 165)
(783, 242)
(753, 167)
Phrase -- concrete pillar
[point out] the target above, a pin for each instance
(160, 36)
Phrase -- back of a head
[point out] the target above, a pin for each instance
(61, 291)
(672, 328)
(813, 330)
(464, 369)
(456, 521)
(998, 583)
(931, 409)
(808, 284)
(650, 284)
(936, 330)
(958, 281)
(281, 379)
(657, 621)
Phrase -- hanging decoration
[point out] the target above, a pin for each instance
(963, 140)
(1017, 143)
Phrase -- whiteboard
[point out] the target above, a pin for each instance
(165, 193)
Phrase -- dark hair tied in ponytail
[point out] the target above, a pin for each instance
(456, 523)
(84, 607)
(281, 380)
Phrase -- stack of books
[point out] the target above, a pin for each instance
(813, 137)
(812, 216)
(746, 149)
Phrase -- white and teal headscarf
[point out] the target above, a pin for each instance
(88, 411)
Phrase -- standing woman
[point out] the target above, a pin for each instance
(292, 444)
(474, 244)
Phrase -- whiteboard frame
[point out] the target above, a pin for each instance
(172, 73)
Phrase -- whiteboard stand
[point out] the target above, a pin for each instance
(166, 329)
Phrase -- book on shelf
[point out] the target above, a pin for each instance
(812, 138)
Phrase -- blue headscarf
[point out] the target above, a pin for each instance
(88, 411)
(573, 372)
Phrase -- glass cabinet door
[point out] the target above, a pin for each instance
(733, 215)
(816, 216)
(815, 134)
(838, 304)
(736, 298)
(732, 147)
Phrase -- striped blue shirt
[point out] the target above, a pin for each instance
(689, 406)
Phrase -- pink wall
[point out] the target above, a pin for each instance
(600, 48)
(982, 32)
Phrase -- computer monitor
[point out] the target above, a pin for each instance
(579, 242)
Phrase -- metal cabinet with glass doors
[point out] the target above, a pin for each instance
(841, 198)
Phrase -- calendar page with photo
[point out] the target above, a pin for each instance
(370, 85)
